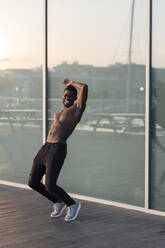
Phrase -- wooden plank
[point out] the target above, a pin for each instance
(25, 222)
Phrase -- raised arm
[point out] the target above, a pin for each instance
(83, 95)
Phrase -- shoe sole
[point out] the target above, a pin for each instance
(56, 216)
(78, 209)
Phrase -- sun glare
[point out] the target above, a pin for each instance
(4, 58)
(3, 54)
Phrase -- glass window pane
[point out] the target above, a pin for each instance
(103, 45)
(20, 87)
(157, 109)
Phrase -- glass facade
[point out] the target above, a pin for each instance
(157, 109)
(20, 87)
(100, 44)
(106, 152)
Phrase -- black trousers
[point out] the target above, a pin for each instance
(49, 161)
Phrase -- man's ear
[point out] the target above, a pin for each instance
(75, 98)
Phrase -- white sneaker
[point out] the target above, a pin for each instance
(59, 208)
(72, 211)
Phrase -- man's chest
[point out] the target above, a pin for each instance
(65, 118)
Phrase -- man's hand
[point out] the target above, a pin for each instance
(67, 82)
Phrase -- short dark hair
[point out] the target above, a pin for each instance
(71, 88)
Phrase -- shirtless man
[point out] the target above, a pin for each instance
(51, 156)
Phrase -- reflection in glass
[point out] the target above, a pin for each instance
(157, 194)
(106, 152)
(20, 87)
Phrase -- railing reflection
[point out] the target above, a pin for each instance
(100, 115)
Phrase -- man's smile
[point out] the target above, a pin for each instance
(67, 102)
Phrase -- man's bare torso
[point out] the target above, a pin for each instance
(64, 124)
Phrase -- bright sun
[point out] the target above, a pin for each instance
(4, 61)
(3, 56)
(3, 49)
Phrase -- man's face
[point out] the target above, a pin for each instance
(68, 98)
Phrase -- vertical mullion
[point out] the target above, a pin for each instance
(147, 104)
(44, 99)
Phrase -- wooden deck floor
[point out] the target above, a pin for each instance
(25, 223)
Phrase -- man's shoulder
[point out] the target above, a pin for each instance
(76, 110)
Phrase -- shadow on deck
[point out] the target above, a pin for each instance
(25, 223)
